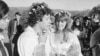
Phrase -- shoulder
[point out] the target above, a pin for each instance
(96, 35)
(27, 39)
(27, 36)
(97, 32)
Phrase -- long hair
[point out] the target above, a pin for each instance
(66, 17)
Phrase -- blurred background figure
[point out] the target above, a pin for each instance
(14, 30)
(12, 27)
(3, 25)
(95, 43)
(95, 22)
(94, 39)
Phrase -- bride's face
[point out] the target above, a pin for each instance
(61, 24)
(46, 22)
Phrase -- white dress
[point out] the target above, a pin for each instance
(70, 48)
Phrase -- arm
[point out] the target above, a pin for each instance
(13, 30)
(9, 29)
(3, 49)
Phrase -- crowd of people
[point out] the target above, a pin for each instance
(49, 34)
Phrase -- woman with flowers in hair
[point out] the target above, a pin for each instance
(64, 42)
(39, 20)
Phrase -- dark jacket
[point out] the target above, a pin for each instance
(11, 28)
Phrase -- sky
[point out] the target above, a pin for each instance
(57, 4)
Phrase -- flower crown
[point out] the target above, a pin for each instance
(64, 13)
(37, 7)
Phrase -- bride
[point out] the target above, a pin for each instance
(63, 41)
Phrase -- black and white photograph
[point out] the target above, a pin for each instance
(49, 28)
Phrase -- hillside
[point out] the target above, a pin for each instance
(24, 12)
(12, 11)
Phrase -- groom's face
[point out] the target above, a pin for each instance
(46, 21)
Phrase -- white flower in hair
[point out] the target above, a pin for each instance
(62, 11)
(30, 12)
(33, 9)
(42, 6)
(59, 13)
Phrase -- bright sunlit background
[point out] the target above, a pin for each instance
(57, 4)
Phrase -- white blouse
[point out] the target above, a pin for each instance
(27, 42)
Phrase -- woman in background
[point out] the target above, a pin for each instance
(3, 24)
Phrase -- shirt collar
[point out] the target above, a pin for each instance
(30, 29)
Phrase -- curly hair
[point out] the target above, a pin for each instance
(37, 11)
